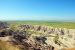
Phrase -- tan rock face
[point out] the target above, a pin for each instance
(7, 38)
(37, 37)
(64, 40)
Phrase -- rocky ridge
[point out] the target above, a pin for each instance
(36, 37)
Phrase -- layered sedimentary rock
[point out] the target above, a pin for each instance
(59, 37)
(37, 37)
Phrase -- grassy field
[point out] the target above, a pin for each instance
(70, 25)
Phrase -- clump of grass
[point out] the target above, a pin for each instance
(8, 46)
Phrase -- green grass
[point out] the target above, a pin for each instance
(70, 25)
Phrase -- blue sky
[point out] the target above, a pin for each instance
(37, 9)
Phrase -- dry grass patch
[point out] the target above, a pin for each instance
(8, 46)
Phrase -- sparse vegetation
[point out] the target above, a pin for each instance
(70, 25)
(36, 36)
(7, 46)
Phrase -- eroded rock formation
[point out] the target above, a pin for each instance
(35, 37)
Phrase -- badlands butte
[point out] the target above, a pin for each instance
(35, 37)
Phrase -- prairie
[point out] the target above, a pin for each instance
(56, 24)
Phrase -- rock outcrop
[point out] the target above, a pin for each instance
(37, 37)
